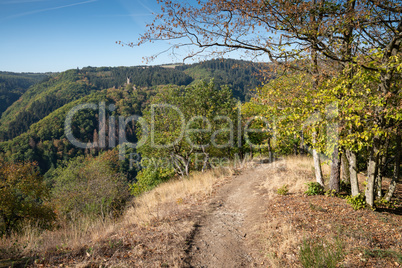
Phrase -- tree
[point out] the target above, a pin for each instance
(186, 122)
(90, 186)
(24, 198)
(347, 36)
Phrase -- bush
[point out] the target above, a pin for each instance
(357, 202)
(91, 186)
(149, 178)
(384, 203)
(284, 190)
(314, 188)
(320, 253)
(332, 193)
(23, 198)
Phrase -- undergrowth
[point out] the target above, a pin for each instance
(284, 190)
(314, 188)
(357, 202)
(320, 253)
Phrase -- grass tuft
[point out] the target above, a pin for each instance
(284, 190)
(319, 253)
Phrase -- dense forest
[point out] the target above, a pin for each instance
(57, 90)
(13, 85)
(242, 76)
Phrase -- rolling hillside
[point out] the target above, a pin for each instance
(242, 76)
(43, 98)
(59, 89)
(13, 85)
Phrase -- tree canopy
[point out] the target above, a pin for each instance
(347, 54)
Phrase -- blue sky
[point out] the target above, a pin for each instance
(56, 35)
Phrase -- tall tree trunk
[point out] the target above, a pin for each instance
(302, 150)
(334, 179)
(372, 171)
(206, 159)
(270, 151)
(354, 183)
(345, 173)
(317, 163)
(393, 48)
(395, 177)
(381, 167)
(315, 74)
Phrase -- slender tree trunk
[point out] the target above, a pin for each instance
(392, 49)
(372, 172)
(270, 151)
(205, 164)
(317, 163)
(334, 179)
(354, 183)
(381, 167)
(302, 150)
(206, 160)
(187, 168)
(295, 146)
(396, 175)
(378, 179)
(182, 164)
(345, 175)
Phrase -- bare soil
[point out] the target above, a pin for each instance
(226, 233)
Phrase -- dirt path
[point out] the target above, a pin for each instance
(228, 234)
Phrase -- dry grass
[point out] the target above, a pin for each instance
(294, 171)
(32, 241)
(149, 206)
(280, 237)
(369, 238)
(165, 210)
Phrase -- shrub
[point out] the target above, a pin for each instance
(91, 186)
(357, 202)
(23, 198)
(332, 193)
(314, 188)
(149, 178)
(384, 203)
(320, 253)
(284, 190)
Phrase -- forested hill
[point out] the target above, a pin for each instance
(52, 93)
(242, 76)
(59, 89)
(45, 142)
(13, 85)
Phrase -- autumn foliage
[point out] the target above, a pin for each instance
(23, 197)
